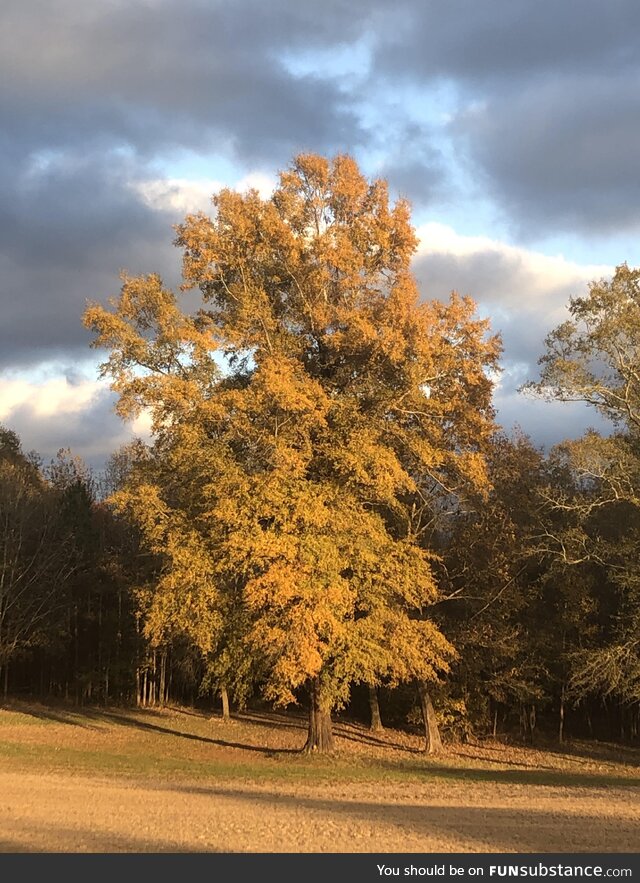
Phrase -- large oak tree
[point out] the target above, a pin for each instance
(302, 416)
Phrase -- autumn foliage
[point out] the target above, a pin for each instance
(307, 419)
(327, 515)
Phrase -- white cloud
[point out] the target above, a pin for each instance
(264, 184)
(50, 413)
(51, 397)
(525, 294)
(177, 195)
(539, 272)
(141, 426)
(182, 196)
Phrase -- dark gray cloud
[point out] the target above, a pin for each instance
(552, 132)
(92, 94)
(540, 110)
(172, 74)
(415, 168)
(561, 155)
(489, 42)
(66, 230)
(548, 107)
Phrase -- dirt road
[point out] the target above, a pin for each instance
(58, 812)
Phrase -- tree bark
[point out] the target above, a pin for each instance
(151, 682)
(374, 705)
(225, 703)
(320, 734)
(433, 742)
(163, 678)
(532, 722)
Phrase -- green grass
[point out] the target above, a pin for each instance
(296, 769)
(147, 745)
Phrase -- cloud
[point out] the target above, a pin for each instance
(541, 103)
(95, 99)
(54, 396)
(157, 75)
(177, 195)
(67, 227)
(481, 43)
(55, 413)
(525, 294)
(544, 109)
(181, 196)
(560, 155)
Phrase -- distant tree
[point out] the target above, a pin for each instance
(594, 357)
(35, 560)
(295, 415)
(489, 583)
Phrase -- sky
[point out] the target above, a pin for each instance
(512, 126)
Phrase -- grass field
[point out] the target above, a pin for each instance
(177, 780)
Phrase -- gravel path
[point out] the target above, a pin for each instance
(63, 813)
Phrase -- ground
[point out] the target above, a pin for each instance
(115, 780)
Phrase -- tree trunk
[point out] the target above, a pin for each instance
(320, 735)
(561, 717)
(5, 688)
(163, 678)
(589, 724)
(524, 721)
(433, 742)
(495, 721)
(225, 703)
(152, 681)
(376, 720)
(532, 722)
(76, 657)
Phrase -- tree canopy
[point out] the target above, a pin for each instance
(299, 414)
(594, 357)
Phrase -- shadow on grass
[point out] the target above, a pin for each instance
(135, 722)
(364, 737)
(545, 776)
(579, 751)
(485, 827)
(530, 770)
(606, 752)
(275, 818)
(32, 838)
(75, 717)
(482, 758)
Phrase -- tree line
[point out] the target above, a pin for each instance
(327, 513)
